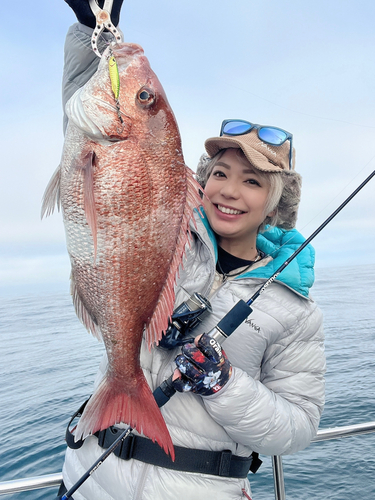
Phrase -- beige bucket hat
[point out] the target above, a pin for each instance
(261, 155)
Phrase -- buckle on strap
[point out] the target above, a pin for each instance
(126, 450)
(106, 437)
(256, 462)
(224, 463)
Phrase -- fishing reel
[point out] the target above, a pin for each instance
(184, 319)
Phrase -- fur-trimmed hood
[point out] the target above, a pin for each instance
(280, 244)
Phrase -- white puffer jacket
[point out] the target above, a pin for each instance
(273, 401)
(271, 404)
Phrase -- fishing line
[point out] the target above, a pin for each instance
(299, 112)
(338, 194)
(328, 204)
(309, 239)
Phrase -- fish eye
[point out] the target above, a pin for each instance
(146, 96)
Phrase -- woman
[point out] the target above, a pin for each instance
(266, 393)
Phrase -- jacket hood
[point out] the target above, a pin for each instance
(280, 244)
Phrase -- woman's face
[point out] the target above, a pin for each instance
(236, 202)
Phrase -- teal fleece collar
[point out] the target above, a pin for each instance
(280, 244)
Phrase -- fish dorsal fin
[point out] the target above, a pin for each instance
(51, 197)
(164, 308)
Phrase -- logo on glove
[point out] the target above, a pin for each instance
(216, 346)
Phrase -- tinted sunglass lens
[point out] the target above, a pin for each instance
(236, 128)
(272, 135)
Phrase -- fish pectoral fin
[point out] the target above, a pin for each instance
(82, 312)
(51, 197)
(89, 198)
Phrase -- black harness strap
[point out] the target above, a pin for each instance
(217, 463)
(69, 437)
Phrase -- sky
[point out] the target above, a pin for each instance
(307, 67)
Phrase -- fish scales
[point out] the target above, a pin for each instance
(127, 199)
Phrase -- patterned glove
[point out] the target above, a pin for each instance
(205, 368)
(84, 13)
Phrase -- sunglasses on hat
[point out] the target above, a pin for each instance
(271, 135)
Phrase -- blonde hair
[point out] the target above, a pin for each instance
(284, 193)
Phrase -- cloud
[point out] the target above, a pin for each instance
(212, 67)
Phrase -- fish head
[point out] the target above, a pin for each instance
(142, 104)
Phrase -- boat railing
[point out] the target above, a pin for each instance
(322, 435)
(50, 480)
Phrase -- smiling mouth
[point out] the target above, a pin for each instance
(229, 211)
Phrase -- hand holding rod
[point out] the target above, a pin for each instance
(220, 332)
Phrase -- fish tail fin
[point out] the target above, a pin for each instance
(136, 407)
(51, 197)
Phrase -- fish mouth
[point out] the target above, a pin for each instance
(126, 52)
(228, 210)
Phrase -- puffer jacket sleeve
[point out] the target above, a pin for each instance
(80, 61)
(278, 413)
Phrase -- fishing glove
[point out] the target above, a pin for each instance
(85, 15)
(205, 368)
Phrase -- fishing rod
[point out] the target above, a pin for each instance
(226, 326)
(97, 464)
(310, 238)
(232, 320)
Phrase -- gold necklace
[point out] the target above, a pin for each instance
(225, 275)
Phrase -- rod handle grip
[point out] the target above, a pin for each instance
(164, 392)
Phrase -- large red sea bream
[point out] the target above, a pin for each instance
(127, 199)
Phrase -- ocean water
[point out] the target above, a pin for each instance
(48, 363)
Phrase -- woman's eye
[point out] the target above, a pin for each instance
(252, 181)
(218, 173)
